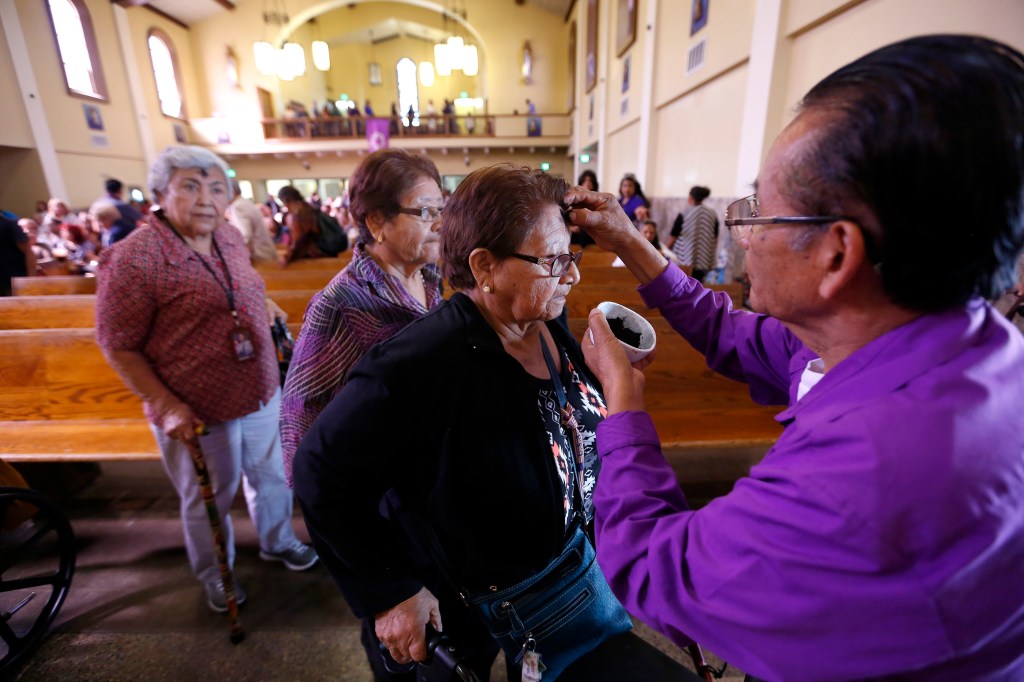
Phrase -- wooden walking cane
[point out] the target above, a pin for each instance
(199, 462)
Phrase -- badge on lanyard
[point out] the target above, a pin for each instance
(532, 667)
(241, 341)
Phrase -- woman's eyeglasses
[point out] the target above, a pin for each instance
(560, 264)
(427, 214)
(743, 214)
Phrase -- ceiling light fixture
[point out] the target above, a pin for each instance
(319, 49)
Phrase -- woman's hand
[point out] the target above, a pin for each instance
(623, 383)
(402, 628)
(274, 312)
(178, 421)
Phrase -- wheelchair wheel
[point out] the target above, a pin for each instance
(37, 561)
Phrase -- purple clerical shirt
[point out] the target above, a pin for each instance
(881, 537)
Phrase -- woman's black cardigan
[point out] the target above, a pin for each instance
(445, 418)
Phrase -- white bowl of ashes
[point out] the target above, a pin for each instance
(632, 330)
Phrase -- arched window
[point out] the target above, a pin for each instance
(165, 71)
(408, 91)
(76, 43)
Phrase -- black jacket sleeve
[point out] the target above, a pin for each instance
(354, 452)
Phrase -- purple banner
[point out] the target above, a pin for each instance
(377, 133)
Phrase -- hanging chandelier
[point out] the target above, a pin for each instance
(269, 59)
(288, 61)
(454, 54)
(319, 49)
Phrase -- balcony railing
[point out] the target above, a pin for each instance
(254, 136)
(352, 127)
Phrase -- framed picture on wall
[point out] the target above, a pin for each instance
(93, 119)
(699, 16)
(591, 65)
(625, 73)
(625, 25)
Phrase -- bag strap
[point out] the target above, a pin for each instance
(575, 439)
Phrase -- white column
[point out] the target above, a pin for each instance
(29, 91)
(644, 162)
(764, 47)
(601, 89)
(131, 67)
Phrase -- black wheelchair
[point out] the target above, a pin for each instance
(37, 562)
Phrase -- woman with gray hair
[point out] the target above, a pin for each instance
(181, 316)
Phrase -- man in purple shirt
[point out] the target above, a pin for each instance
(883, 535)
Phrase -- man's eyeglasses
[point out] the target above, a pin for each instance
(427, 214)
(743, 214)
(560, 264)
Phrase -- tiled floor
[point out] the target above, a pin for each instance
(134, 612)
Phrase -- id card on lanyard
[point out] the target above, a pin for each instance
(240, 336)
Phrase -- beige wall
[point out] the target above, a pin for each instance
(623, 107)
(697, 120)
(15, 131)
(160, 127)
(696, 138)
(874, 23)
(727, 34)
(23, 181)
(620, 157)
(113, 150)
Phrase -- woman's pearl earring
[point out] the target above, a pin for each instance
(380, 238)
(487, 289)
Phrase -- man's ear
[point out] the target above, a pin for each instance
(482, 263)
(842, 254)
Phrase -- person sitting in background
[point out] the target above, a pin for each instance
(631, 198)
(41, 209)
(106, 216)
(694, 239)
(16, 257)
(588, 180)
(57, 213)
(649, 230)
(78, 243)
(301, 221)
(878, 539)
(248, 218)
(392, 280)
(41, 252)
(128, 216)
(182, 317)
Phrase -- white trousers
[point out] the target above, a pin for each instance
(249, 446)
